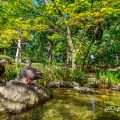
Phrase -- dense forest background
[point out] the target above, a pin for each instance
(61, 32)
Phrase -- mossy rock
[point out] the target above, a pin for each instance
(18, 97)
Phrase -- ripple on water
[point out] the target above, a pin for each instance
(68, 104)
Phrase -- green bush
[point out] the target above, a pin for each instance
(66, 74)
(11, 71)
(50, 73)
(62, 73)
(6, 57)
(108, 77)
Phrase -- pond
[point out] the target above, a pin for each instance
(68, 104)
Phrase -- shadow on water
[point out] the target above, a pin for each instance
(70, 105)
(107, 116)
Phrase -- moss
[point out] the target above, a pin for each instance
(70, 105)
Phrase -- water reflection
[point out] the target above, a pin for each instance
(93, 103)
(70, 105)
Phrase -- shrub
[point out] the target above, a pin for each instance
(6, 57)
(50, 73)
(108, 77)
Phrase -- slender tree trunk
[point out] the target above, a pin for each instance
(87, 53)
(72, 49)
(49, 52)
(65, 54)
(18, 57)
(117, 59)
(64, 58)
(88, 50)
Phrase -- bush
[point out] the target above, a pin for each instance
(108, 77)
(11, 71)
(50, 73)
(6, 57)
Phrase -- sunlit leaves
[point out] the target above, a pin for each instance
(27, 19)
(4, 43)
(55, 36)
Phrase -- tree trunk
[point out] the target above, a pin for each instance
(18, 57)
(49, 52)
(46, 2)
(72, 49)
(64, 58)
(117, 59)
(87, 53)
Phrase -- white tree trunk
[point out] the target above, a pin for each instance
(72, 49)
(49, 52)
(18, 57)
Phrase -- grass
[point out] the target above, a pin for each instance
(63, 73)
(108, 77)
(11, 71)
(50, 73)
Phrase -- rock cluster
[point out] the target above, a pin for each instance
(84, 90)
(62, 84)
(67, 84)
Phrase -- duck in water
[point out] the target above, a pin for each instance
(29, 74)
(2, 68)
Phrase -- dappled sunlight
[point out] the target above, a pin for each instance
(74, 49)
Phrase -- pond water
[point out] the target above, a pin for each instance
(68, 104)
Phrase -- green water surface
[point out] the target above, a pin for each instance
(68, 104)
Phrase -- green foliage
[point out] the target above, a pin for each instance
(61, 73)
(50, 73)
(42, 28)
(108, 77)
(11, 72)
(6, 57)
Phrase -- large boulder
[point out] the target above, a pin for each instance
(17, 97)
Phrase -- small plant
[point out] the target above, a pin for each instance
(108, 77)
(50, 73)
(11, 72)
(6, 57)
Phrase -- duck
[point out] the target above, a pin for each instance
(29, 74)
(2, 68)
